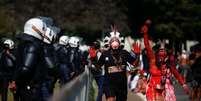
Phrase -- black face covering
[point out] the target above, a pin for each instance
(115, 51)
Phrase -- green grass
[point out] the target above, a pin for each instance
(93, 92)
(10, 96)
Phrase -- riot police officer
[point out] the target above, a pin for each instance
(62, 59)
(7, 66)
(50, 62)
(30, 59)
(75, 55)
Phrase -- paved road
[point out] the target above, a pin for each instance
(181, 96)
(134, 97)
(131, 97)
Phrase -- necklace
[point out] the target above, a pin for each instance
(117, 59)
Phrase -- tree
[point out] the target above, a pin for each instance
(86, 18)
(173, 19)
(7, 19)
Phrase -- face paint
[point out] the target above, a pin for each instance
(162, 55)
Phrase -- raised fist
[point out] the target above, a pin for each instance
(145, 26)
(144, 29)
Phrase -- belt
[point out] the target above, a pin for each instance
(114, 69)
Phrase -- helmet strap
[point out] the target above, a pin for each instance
(40, 33)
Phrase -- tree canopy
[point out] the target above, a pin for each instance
(173, 19)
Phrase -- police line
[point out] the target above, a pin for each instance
(75, 90)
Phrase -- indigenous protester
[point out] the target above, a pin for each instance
(114, 61)
(98, 73)
(133, 75)
(49, 62)
(138, 79)
(7, 68)
(159, 85)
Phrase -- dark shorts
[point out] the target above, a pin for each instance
(115, 85)
(198, 80)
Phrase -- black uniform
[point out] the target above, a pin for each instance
(7, 68)
(50, 63)
(63, 61)
(75, 60)
(115, 83)
(30, 68)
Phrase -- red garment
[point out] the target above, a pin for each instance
(174, 70)
(153, 93)
(169, 89)
(92, 52)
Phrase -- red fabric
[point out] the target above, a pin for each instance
(144, 29)
(177, 75)
(186, 89)
(172, 59)
(142, 72)
(169, 91)
(152, 93)
(162, 53)
(175, 71)
(150, 53)
(92, 52)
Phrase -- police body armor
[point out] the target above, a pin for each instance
(51, 73)
(7, 68)
(50, 59)
(30, 70)
(75, 60)
(7, 63)
(63, 61)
